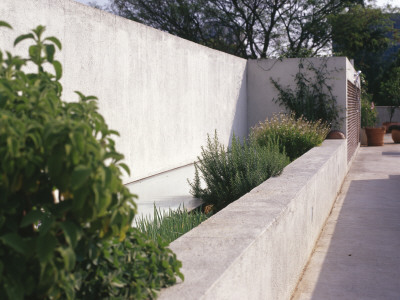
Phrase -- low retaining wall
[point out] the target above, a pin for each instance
(257, 247)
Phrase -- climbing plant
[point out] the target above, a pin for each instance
(312, 96)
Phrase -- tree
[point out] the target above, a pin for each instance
(390, 91)
(246, 28)
(365, 34)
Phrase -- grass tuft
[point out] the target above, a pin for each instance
(169, 225)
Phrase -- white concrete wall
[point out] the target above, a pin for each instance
(384, 115)
(261, 92)
(162, 93)
(257, 247)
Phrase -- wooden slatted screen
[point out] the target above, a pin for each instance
(353, 119)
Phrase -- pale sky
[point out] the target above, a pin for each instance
(392, 2)
(100, 2)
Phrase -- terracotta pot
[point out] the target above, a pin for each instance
(375, 136)
(336, 135)
(388, 124)
(396, 135)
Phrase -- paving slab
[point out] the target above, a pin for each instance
(357, 255)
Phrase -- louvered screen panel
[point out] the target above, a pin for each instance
(353, 121)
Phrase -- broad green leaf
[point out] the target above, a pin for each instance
(125, 167)
(39, 30)
(45, 224)
(23, 37)
(79, 176)
(50, 50)
(34, 53)
(68, 256)
(81, 96)
(45, 246)
(32, 217)
(14, 241)
(54, 40)
(90, 98)
(58, 69)
(114, 132)
(71, 232)
(79, 141)
(5, 24)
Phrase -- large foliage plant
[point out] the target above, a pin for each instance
(63, 207)
(312, 98)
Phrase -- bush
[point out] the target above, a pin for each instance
(132, 269)
(228, 175)
(63, 207)
(368, 111)
(168, 226)
(294, 136)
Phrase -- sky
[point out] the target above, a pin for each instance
(100, 2)
(379, 2)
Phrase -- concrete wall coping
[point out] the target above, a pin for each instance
(246, 250)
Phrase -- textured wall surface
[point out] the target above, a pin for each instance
(384, 115)
(257, 247)
(261, 92)
(162, 93)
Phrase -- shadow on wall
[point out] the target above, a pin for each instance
(239, 124)
(362, 260)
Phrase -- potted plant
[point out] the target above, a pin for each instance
(395, 129)
(390, 90)
(370, 135)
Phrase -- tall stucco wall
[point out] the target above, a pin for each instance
(162, 93)
(384, 115)
(261, 92)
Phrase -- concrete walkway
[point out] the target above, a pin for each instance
(358, 253)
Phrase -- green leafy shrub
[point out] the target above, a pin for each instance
(294, 135)
(368, 111)
(168, 226)
(134, 268)
(228, 175)
(312, 98)
(390, 91)
(63, 207)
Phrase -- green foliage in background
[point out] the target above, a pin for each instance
(368, 111)
(369, 114)
(368, 35)
(390, 91)
(170, 225)
(312, 98)
(230, 173)
(63, 207)
(294, 135)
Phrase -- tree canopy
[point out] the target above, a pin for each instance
(365, 34)
(246, 28)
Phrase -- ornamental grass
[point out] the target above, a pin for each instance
(295, 136)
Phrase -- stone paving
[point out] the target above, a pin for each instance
(358, 253)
